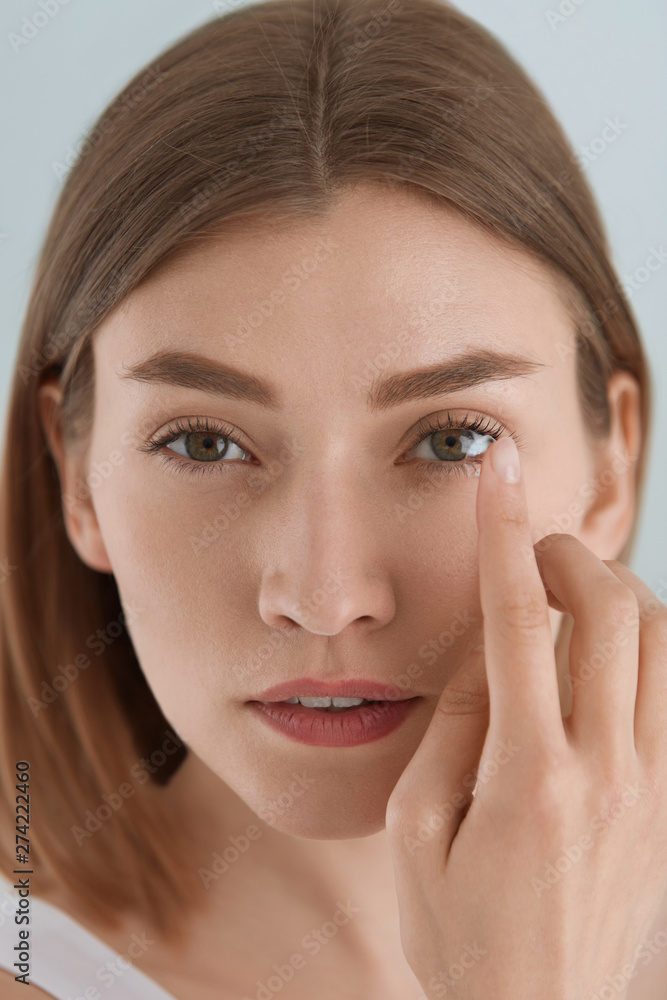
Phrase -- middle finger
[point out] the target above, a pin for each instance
(604, 646)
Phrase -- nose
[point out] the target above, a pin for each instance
(325, 602)
(329, 563)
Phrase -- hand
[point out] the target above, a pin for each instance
(542, 885)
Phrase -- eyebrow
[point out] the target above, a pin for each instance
(195, 371)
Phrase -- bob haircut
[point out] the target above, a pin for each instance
(268, 112)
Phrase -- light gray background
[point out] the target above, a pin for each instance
(593, 59)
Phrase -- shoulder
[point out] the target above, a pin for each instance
(11, 990)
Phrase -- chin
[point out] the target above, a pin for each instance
(323, 803)
(317, 793)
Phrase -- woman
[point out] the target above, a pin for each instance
(327, 389)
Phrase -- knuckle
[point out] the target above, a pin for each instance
(614, 602)
(463, 701)
(399, 815)
(527, 612)
(613, 793)
(548, 797)
(549, 786)
(511, 511)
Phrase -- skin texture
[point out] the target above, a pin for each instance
(395, 283)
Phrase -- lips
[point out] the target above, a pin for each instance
(320, 728)
(309, 687)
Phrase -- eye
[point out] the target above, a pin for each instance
(455, 442)
(205, 447)
(200, 443)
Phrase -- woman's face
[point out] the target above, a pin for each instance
(325, 545)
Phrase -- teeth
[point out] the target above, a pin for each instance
(326, 702)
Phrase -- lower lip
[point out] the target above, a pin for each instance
(334, 729)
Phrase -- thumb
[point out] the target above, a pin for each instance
(434, 792)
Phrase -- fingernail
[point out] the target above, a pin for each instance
(505, 460)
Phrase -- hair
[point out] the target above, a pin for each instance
(266, 112)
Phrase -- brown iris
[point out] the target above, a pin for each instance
(452, 445)
(205, 446)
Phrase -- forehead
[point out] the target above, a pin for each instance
(385, 271)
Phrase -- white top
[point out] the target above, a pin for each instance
(65, 958)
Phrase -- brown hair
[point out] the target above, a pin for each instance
(269, 110)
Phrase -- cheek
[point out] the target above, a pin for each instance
(559, 469)
(438, 579)
(192, 633)
(559, 492)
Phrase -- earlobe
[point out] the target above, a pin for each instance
(79, 513)
(612, 494)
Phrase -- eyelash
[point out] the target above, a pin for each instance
(426, 427)
(482, 425)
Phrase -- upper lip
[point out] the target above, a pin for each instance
(309, 687)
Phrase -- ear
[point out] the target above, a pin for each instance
(79, 514)
(612, 493)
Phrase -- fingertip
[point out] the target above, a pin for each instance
(504, 460)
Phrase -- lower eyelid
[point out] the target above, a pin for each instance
(468, 469)
(188, 466)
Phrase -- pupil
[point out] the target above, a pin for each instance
(450, 440)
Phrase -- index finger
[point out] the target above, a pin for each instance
(518, 641)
